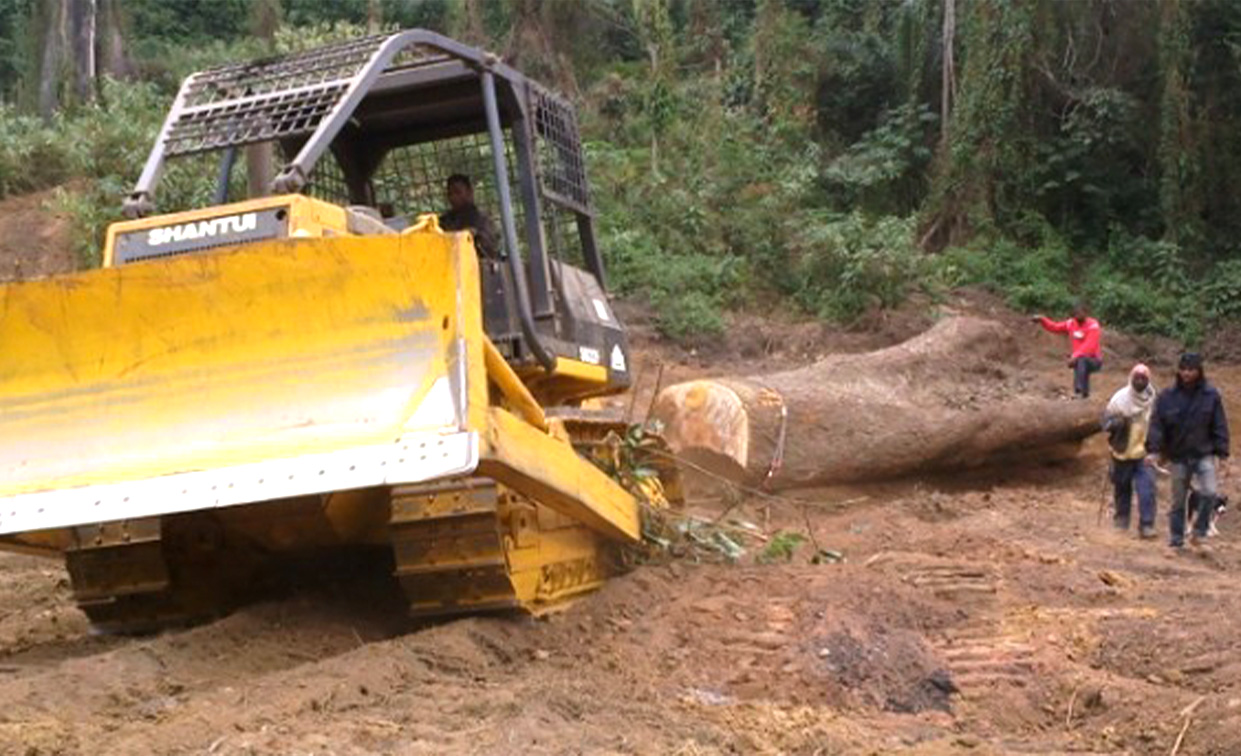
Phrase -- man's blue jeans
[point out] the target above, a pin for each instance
(1203, 468)
(1129, 476)
(1082, 368)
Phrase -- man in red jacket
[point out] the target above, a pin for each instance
(1085, 336)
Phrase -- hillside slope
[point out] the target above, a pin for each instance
(34, 240)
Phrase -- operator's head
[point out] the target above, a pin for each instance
(1189, 369)
(1140, 377)
(1081, 310)
(460, 191)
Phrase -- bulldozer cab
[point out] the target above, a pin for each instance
(376, 126)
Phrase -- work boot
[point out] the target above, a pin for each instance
(1147, 532)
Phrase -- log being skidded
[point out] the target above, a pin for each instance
(951, 398)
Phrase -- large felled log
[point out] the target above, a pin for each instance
(953, 397)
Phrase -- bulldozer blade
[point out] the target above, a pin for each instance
(281, 369)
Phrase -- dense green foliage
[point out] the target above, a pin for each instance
(800, 152)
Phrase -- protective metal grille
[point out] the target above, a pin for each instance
(562, 174)
(411, 179)
(192, 182)
(327, 182)
(564, 242)
(327, 64)
(270, 99)
(253, 119)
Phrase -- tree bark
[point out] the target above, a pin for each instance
(82, 27)
(113, 61)
(261, 157)
(474, 30)
(51, 19)
(374, 16)
(948, 73)
(949, 399)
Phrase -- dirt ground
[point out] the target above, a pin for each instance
(995, 613)
(34, 241)
(991, 615)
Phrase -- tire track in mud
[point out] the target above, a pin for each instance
(979, 654)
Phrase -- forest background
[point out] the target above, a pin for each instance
(829, 157)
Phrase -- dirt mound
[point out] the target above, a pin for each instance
(34, 240)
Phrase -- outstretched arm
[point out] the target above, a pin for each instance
(1054, 326)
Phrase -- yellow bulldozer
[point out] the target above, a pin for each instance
(319, 366)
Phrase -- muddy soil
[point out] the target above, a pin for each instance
(992, 614)
(34, 240)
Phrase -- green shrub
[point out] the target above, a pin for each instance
(843, 265)
(90, 210)
(1221, 293)
(688, 292)
(1145, 285)
(32, 155)
(1139, 284)
(691, 318)
(112, 138)
(885, 170)
(1031, 268)
(1143, 305)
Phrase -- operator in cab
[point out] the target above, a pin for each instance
(464, 215)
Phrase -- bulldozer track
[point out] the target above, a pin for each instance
(138, 576)
(459, 546)
(448, 548)
(473, 545)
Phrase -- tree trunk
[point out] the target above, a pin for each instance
(261, 158)
(374, 16)
(949, 399)
(82, 27)
(51, 20)
(474, 30)
(652, 50)
(948, 72)
(110, 42)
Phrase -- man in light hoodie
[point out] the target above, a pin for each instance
(1126, 421)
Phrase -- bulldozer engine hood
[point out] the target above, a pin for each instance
(280, 369)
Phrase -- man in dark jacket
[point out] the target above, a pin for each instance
(1189, 429)
(464, 215)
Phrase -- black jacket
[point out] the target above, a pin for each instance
(470, 218)
(1188, 423)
